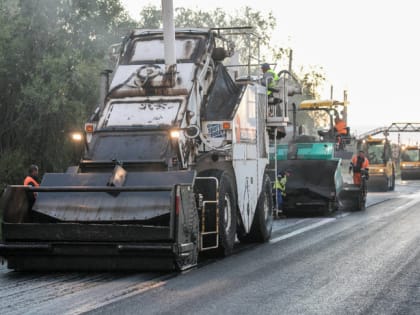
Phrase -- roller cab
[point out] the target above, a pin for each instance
(410, 163)
(382, 167)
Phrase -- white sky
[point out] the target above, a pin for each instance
(369, 47)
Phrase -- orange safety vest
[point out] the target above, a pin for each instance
(340, 126)
(357, 178)
(29, 180)
(356, 167)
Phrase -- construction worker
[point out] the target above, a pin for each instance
(32, 180)
(269, 77)
(280, 188)
(340, 126)
(340, 131)
(358, 163)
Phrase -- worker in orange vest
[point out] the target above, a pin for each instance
(32, 180)
(340, 126)
(339, 129)
(358, 163)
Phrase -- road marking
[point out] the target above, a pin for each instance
(405, 206)
(302, 230)
(282, 224)
(342, 215)
(120, 294)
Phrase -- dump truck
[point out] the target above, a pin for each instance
(175, 164)
(315, 183)
(410, 162)
(382, 166)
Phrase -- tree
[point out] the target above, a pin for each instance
(312, 79)
(218, 18)
(51, 53)
(150, 17)
(263, 26)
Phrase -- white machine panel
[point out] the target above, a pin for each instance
(125, 114)
(248, 191)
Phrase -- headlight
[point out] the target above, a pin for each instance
(77, 136)
(408, 166)
(174, 134)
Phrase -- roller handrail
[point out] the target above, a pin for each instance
(94, 188)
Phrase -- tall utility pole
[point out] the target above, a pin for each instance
(168, 33)
(345, 107)
(290, 60)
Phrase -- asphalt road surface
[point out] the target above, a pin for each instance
(352, 263)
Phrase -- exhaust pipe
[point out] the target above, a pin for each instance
(103, 87)
(169, 39)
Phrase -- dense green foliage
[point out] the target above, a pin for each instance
(263, 24)
(51, 54)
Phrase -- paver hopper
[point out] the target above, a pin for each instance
(315, 179)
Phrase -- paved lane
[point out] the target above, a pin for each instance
(294, 240)
(362, 263)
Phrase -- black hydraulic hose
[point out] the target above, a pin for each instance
(289, 73)
(294, 121)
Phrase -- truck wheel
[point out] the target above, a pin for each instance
(191, 228)
(262, 224)
(227, 215)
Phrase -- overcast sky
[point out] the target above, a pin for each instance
(369, 47)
